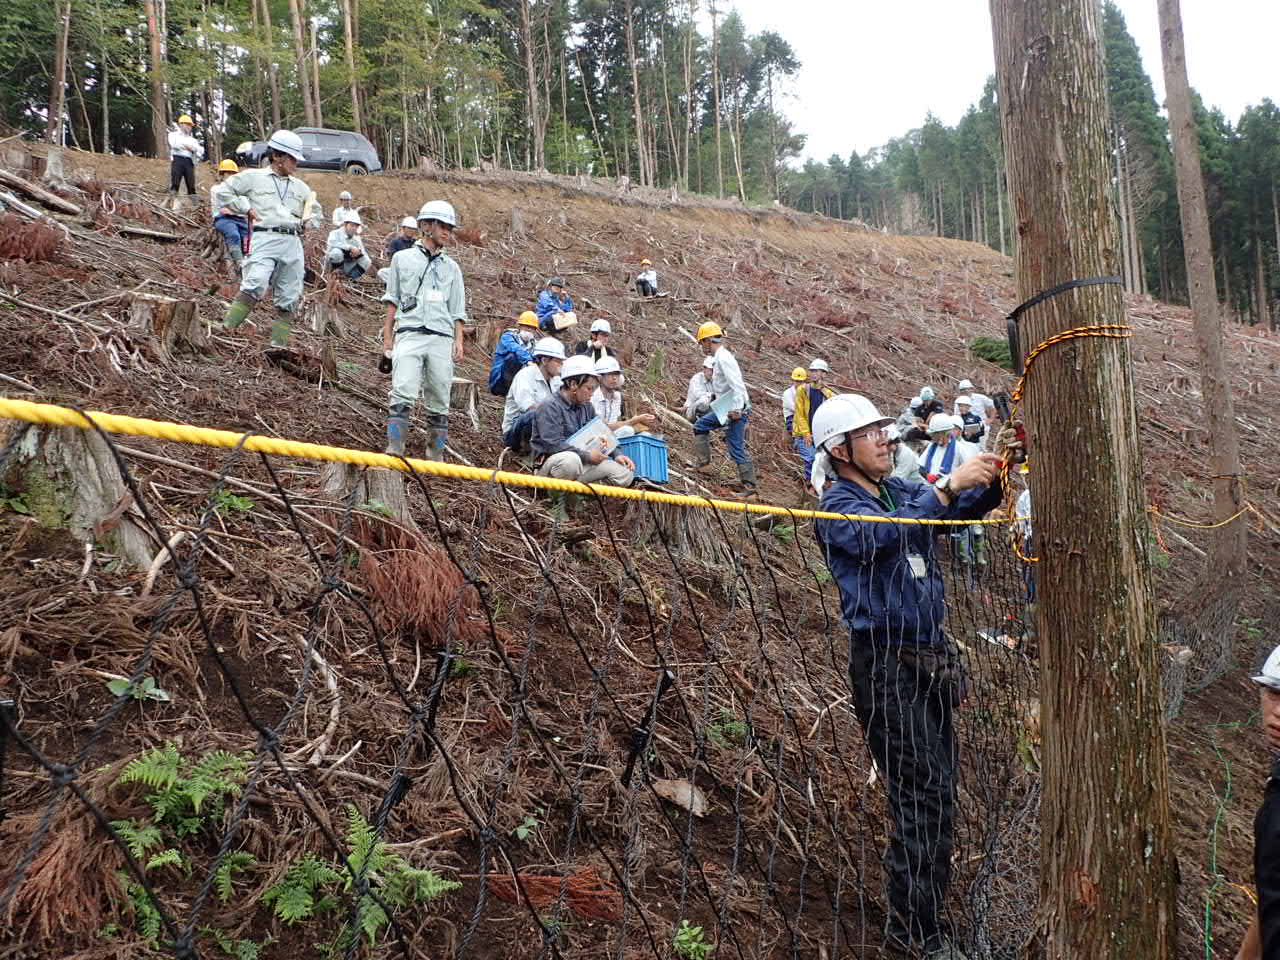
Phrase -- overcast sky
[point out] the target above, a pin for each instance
(872, 69)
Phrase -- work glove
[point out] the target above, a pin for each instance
(1011, 442)
(384, 362)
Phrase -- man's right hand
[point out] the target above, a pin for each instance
(595, 455)
(384, 362)
(978, 472)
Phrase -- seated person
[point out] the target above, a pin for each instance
(647, 281)
(405, 239)
(559, 418)
(974, 426)
(906, 465)
(514, 351)
(596, 346)
(698, 400)
(552, 301)
(607, 401)
(532, 385)
(345, 250)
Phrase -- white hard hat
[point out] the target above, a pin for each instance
(892, 432)
(842, 414)
(965, 399)
(917, 400)
(709, 362)
(964, 385)
(607, 365)
(938, 423)
(926, 393)
(820, 365)
(957, 421)
(1270, 675)
(286, 141)
(440, 210)
(578, 366)
(601, 326)
(352, 216)
(345, 195)
(549, 347)
(409, 222)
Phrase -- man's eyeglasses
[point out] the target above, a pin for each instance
(874, 432)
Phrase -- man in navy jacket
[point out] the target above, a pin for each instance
(905, 677)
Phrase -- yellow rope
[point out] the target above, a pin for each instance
(51, 415)
(1202, 526)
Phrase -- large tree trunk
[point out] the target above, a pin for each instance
(637, 110)
(315, 73)
(715, 85)
(1108, 874)
(58, 85)
(159, 123)
(300, 55)
(536, 161)
(350, 31)
(1226, 561)
(272, 76)
(1260, 280)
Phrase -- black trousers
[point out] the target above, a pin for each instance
(646, 289)
(182, 169)
(904, 702)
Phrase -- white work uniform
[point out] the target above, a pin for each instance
(609, 410)
(906, 465)
(726, 378)
(934, 455)
(527, 390)
(275, 258)
(698, 400)
(183, 145)
(338, 245)
(219, 197)
(423, 348)
(789, 402)
(649, 276)
(340, 213)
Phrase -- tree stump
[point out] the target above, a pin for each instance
(172, 325)
(70, 481)
(382, 492)
(464, 395)
(517, 222)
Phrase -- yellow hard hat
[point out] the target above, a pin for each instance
(646, 263)
(528, 319)
(710, 329)
(228, 166)
(799, 374)
(186, 119)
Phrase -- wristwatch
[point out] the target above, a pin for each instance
(944, 486)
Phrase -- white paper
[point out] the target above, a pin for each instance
(591, 433)
(723, 405)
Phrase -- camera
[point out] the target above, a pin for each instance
(409, 304)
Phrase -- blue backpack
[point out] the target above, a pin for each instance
(506, 364)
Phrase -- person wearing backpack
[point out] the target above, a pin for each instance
(512, 353)
(533, 385)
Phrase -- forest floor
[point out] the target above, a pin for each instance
(889, 314)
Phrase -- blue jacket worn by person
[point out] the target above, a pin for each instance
(890, 583)
(509, 357)
(548, 306)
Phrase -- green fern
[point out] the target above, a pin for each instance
(238, 949)
(138, 837)
(183, 795)
(166, 858)
(294, 897)
(158, 769)
(222, 877)
(144, 910)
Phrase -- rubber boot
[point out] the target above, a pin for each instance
(397, 427)
(437, 435)
(747, 477)
(238, 312)
(280, 329)
(702, 453)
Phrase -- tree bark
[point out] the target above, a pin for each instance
(300, 56)
(315, 73)
(58, 85)
(637, 111)
(1226, 561)
(536, 160)
(715, 84)
(171, 325)
(159, 125)
(273, 77)
(1107, 873)
(350, 30)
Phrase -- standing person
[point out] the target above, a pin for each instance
(905, 675)
(513, 352)
(405, 238)
(726, 381)
(553, 300)
(596, 346)
(345, 206)
(1262, 942)
(946, 451)
(973, 426)
(280, 206)
(798, 378)
(697, 400)
(184, 151)
(233, 227)
(422, 333)
(980, 404)
(533, 384)
(607, 401)
(647, 281)
(345, 250)
(564, 414)
(809, 397)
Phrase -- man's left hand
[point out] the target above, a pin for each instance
(735, 415)
(457, 349)
(625, 461)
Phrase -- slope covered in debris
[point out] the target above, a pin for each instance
(888, 313)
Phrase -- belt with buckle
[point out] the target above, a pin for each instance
(291, 231)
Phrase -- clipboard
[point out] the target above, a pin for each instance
(722, 405)
(593, 429)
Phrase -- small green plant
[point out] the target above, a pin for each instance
(993, 350)
(690, 943)
(822, 575)
(378, 507)
(144, 689)
(144, 911)
(307, 887)
(729, 730)
(13, 500)
(1158, 555)
(227, 503)
(186, 796)
(1251, 627)
(526, 828)
(785, 533)
(224, 879)
(238, 949)
(654, 373)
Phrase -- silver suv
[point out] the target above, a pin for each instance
(323, 149)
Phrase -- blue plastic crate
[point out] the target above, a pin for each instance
(649, 453)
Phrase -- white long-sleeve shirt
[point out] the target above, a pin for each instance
(340, 213)
(339, 243)
(219, 197)
(726, 378)
(699, 393)
(789, 402)
(528, 389)
(608, 409)
(276, 201)
(934, 455)
(650, 276)
(906, 465)
(182, 145)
